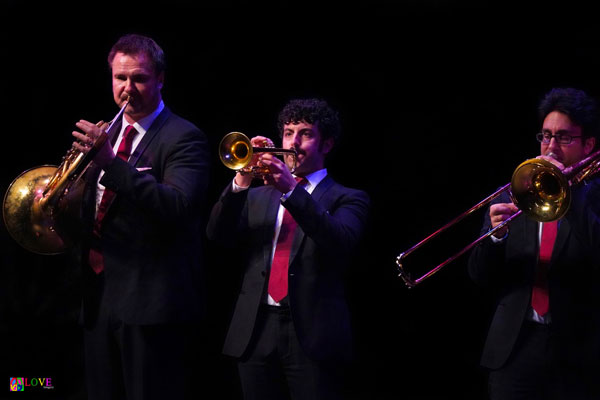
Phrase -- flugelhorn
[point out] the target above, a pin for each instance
(236, 151)
(37, 201)
(538, 188)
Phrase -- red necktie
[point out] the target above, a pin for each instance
(95, 258)
(539, 295)
(278, 278)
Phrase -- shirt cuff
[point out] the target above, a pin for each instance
(499, 240)
(285, 196)
(235, 188)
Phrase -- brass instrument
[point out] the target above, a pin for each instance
(38, 203)
(538, 188)
(236, 151)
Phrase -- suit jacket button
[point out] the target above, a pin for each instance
(263, 273)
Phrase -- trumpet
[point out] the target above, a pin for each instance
(538, 188)
(39, 202)
(236, 151)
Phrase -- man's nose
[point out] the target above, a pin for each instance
(553, 143)
(129, 86)
(296, 142)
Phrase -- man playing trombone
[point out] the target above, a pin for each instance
(290, 330)
(544, 338)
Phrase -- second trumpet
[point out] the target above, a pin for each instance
(236, 151)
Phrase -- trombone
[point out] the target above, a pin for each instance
(538, 188)
(236, 151)
(39, 202)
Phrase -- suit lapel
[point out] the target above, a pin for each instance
(317, 195)
(532, 230)
(564, 230)
(157, 124)
(322, 188)
(150, 134)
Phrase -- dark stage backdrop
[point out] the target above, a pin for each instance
(437, 100)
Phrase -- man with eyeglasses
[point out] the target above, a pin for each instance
(544, 338)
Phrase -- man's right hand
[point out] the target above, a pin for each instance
(88, 139)
(499, 213)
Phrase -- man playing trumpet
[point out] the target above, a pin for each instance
(290, 331)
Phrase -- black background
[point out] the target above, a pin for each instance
(438, 102)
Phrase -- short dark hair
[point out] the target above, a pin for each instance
(312, 111)
(581, 108)
(135, 44)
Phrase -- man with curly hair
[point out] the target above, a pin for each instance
(290, 330)
(544, 339)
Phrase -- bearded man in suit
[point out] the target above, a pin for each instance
(296, 235)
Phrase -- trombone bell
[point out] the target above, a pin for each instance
(540, 190)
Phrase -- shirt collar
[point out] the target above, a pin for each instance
(316, 177)
(144, 124)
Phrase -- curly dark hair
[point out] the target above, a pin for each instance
(581, 108)
(135, 44)
(312, 111)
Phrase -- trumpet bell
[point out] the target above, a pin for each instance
(28, 224)
(235, 150)
(540, 190)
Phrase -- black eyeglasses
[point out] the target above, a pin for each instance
(561, 138)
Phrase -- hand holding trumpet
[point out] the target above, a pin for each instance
(256, 158)
(278, 174)
(243, 178)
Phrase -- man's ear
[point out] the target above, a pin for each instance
(161, 79)
(327, 145)
(589, 145)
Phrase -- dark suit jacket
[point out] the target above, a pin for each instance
(574, 289)
(330, 224)
(151, 233)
